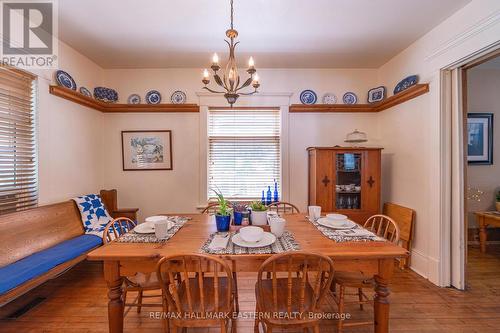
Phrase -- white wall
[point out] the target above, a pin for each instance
(411, 131)
(69, 135)
(180, 190)
(483, 97)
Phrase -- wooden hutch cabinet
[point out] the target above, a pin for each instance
(345, 180)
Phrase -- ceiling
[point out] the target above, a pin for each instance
(277, 33)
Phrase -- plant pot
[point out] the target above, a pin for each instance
(222, 222)
(238, 217)
(258, 218)
(497, 205)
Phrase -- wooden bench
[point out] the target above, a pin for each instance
(40, 244)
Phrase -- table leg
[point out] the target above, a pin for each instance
(115, 303)
(482, 234)
(381, 302)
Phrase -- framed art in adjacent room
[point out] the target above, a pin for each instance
(147, 150)
(480, 138)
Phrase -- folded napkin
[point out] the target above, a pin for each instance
(357, 232)
(219, 242)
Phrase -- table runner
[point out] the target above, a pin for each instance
(343, 235)
(283, 244)
(134, 237)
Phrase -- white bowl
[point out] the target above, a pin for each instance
(157, 218)
(251, 234)
(336, 217)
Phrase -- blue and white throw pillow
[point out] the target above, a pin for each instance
(94, 215)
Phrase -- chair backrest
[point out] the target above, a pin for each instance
(211, 208)
(283, 207)
(110, 200)
(383, 226)
(186, 277)
(301, 270)
(116, 228)
(405, 218)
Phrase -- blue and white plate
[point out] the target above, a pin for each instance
(134, 99)
(406, 83)
(350, 98)
(376, 94)
(153, 97)
(308, 97)
(85, 91)
(178, 97)
(65, 80)
(107, 95)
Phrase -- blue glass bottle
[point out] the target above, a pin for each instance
(269, 197)
(276, 196)
(263, 199)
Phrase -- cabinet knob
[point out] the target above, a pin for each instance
(371, 181)
(325, 181)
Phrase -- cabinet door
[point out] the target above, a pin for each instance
(349, 196)
(371, 181)
(321, 178)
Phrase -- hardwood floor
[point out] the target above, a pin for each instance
(77, 302)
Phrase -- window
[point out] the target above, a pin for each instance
(18, 174)
(244, 151)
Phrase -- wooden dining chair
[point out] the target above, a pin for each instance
(200, 286)
(283, 207)
(140, 282)
(382, 226)
(405, 218)
(293, 292)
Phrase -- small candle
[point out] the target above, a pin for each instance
(205, 74)
(215, 58)
(256, 78)
(251, 63)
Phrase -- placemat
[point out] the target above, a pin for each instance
(134, 237)
(283, 244)
(343, 235)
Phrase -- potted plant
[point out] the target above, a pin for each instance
(497, 204)
(240, 210)
(258, 216)
(223, 214)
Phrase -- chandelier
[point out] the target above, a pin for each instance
(230, 80)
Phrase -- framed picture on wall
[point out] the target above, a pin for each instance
(480, 138)
(147, 150)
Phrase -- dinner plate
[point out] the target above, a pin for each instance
(266, 240)
(336, 224)
(145, 228)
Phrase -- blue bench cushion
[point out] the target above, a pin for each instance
(41, 262)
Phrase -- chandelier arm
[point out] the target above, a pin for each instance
(245, 84)
(250, 93)
(213, 91)
(218, 80)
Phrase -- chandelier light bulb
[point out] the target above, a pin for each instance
(251, 63)
(205, 73)
(256, 78)
(215, 58)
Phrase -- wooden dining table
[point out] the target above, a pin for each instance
(125, 259)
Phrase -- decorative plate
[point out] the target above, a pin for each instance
(85, 91)
(376, 94)
(65, 80)
(106, 95)
(178, 97)
(134, 99)
(329, 98)
(406, 83)
(308, 97)
(350, 98)
(153, 97)
(267, 239)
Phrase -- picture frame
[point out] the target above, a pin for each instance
(144, 150)
(480, 138)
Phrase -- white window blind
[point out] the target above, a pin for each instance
(18, 174)
(244, 152)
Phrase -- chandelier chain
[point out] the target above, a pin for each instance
(232, 14)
